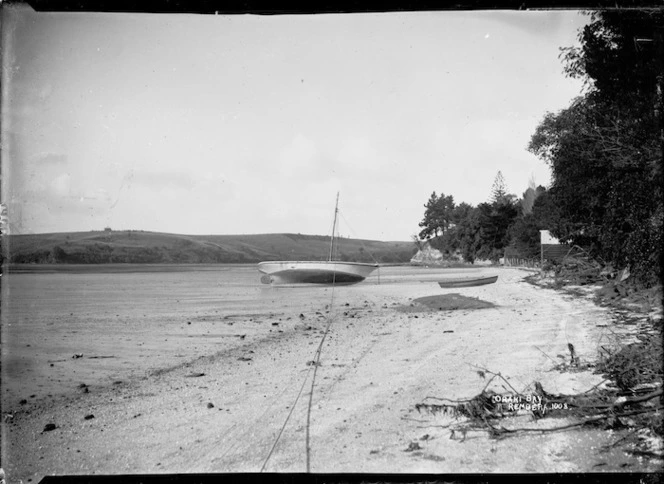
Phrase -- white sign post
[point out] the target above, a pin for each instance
(546, 238)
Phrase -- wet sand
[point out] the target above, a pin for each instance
(174, 378)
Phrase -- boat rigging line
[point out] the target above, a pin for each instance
(366, 249)
(334, 225)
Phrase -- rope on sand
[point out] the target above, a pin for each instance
(313, 378)
(314, 366)
(283, 427)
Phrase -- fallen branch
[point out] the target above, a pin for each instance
(621, 403)
(496, 375)
(488, 407)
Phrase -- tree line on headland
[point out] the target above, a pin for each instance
(483, 232)
(605, 155)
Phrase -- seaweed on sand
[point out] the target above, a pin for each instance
(635, 367)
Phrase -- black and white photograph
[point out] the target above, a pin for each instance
(401, 242)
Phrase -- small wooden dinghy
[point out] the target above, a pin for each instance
(466, 282)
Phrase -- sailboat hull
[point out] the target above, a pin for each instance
(313, 272)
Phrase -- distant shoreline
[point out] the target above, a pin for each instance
(150, 248)
(118, 267)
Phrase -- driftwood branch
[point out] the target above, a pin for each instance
(590, 407)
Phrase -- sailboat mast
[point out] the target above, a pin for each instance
(334, 226)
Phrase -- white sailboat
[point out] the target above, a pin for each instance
(316, 272)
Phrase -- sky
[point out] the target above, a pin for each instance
(247, 124)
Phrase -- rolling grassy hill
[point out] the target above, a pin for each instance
(135, 246)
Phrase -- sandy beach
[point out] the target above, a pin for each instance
(195, 386)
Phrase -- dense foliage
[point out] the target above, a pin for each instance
(437, 216)
(480, 232)
(605, 150)
(605, 154)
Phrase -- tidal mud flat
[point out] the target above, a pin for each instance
(201, 371)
